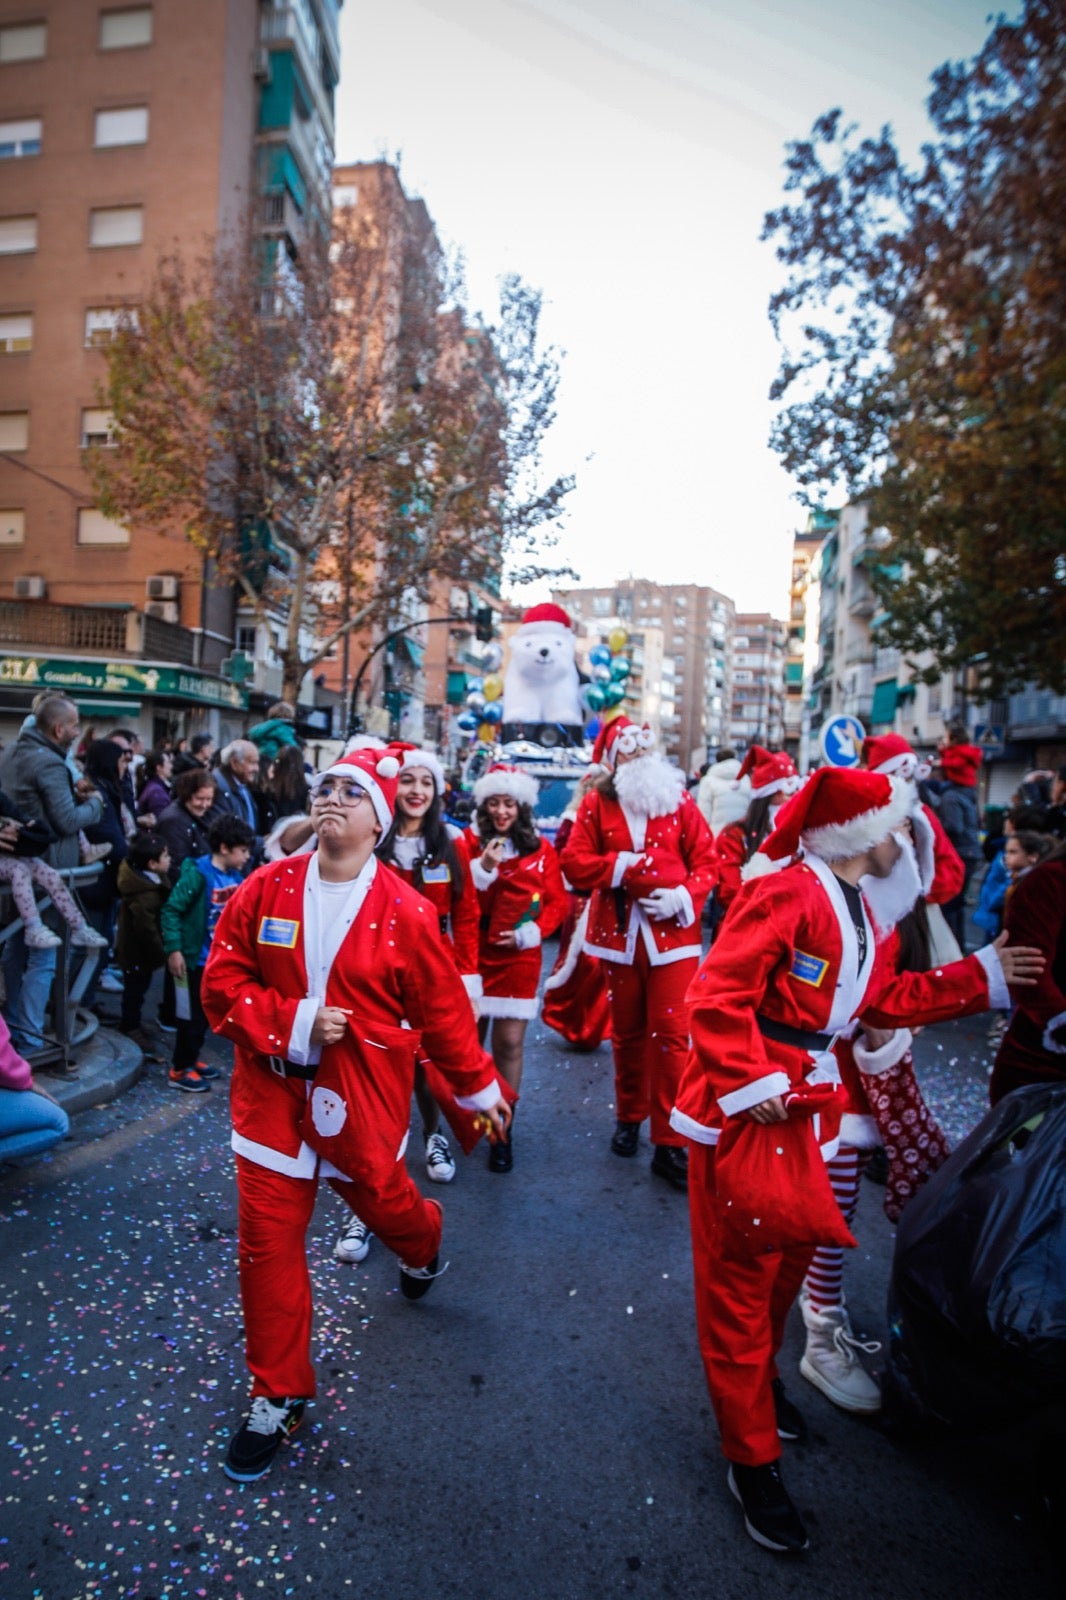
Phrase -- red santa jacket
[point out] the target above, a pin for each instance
(392, 970)
(730, 848)
(456, 905)
(789, 952)
(622, 858)
(524, 889)
(949, 872)
(1034, 1049)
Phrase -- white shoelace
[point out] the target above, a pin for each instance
(266, 1418)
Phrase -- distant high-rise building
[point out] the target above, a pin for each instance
(758, 715)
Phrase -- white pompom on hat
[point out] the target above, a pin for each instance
(376, 771)
(512, 781)
(412, 755)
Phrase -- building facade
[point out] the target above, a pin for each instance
(760, 645)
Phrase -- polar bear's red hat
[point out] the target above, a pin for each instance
(547, 617)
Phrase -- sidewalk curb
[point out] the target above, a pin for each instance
(108, 1065)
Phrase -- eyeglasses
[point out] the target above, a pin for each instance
(343, 791)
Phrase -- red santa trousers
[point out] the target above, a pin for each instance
(273, 1213)
(649, 1036)
(742, 1300)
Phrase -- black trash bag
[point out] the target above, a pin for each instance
(977, 1297)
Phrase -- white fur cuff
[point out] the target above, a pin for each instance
(753, 1094)
(473, 985)
(481, 878)
(698, 1132)
(484, 1100)
(1056, 1046)
(889, 1055)
(998, 993)
(527, 936)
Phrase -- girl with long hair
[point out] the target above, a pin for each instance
(773, 778)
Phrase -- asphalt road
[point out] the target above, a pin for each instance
(536, 1427)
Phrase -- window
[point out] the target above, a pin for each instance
(18, 236)
(345, 195)
(14, 430)
(102, 322)
(95, 528)
(115, 226)
(96, 428)
(127, 125)
(16, 334)
(20, 138)
(23, 41)
(246, 637)
(12, 527)
(122, 30)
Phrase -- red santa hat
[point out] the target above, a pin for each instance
(771, 772)
(620, 735)
(376, 772)
(839, 812)
(412, 755)
(502, 779)
(891, 754)
(959, 763)
(547, 616)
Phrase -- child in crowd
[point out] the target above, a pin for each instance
(1023, 850)
(188, 923)
(143, 886)
(21, 871)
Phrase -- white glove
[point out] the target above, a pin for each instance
(664, 903)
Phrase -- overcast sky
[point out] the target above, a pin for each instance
(620, 155)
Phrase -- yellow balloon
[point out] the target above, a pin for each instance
(617, 639)
(492, 688)
(487, 733)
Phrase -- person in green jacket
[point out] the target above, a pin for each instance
(276, 732)
(188, 924)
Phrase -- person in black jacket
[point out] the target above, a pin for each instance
(183, 825)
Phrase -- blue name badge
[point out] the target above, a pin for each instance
(808, 969)
(439, 874)
(279, 931)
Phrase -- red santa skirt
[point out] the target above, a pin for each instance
(509, 982)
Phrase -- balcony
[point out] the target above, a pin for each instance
(288, 25)
(862, 602)
(1037, 714)
(281, 215)
(94, 630)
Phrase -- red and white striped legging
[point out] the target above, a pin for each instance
(825, 1276)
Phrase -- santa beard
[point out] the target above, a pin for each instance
(891, 898)
(649, 786)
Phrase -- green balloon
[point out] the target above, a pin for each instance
(620, 669)
(595, 697)
(615, 693)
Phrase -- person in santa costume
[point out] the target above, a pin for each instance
(329, 973)
(419, 846)
(522, 900)
(1034, 1047)
(772, 777)
(640, 844)
(575, 1001)
(799, 959)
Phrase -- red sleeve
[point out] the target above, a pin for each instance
(1034, 916)
(918, 999)
(697, 849)
(435, 1002)
(730, 852)
(555, 903)
(949, 872)
(465, 918)
(236, 1002)
(586, 864)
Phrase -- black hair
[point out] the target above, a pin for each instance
(288, 784)
(186, 784)
(154, 760)
(144, 849)
(915, 940)
(230, 831)
(757, 823)
(523, 834)
(440, 850)
(200, 741)
(1034, 843)
(1028, 819)
(101, 764)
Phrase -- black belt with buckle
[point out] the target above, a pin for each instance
(289, 1069)
(799, 1038)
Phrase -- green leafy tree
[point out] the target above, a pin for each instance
(923, 321)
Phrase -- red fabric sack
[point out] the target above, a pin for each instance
(462, 1122)
(770, 1179)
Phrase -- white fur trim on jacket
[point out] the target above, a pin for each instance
(698, 1132)
(753, 1094)
(569, 962)
(839, 840)
(473, 984)
(481, 878)
(891, 1053)
(518, 785)
(998, 993)
(499, 1005)
(1057, 1048)
(859, 1131)
(924, 846)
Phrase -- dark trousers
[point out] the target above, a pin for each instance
(137, 981)
(191, 1034)
(955, 910)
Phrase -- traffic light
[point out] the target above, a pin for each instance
(483, 628)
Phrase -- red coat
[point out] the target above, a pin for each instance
(392, 969)
(523, 889)
(621, 858)
(730, 851)
(1034, 1048)
(456, 905)
(949, 871)
(789, 952)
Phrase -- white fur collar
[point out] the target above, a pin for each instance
(649, 787)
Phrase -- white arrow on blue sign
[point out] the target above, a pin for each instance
(841, 739)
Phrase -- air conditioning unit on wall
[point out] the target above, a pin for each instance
(163, 586)
(30, 588)
(165, 610)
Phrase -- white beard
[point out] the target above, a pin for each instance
(649, 786)
(891, 898)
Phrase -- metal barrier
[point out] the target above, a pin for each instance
(72, 1023)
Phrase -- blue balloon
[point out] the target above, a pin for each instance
(599, 656)
(593, 727)
(492, 711)
(467, 722)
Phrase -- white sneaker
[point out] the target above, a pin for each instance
(87, 938)
(38, 937)
(831, 1360)
(354, 1243)
(439, 1163)
(111, 982)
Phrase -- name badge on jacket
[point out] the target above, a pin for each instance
(438, 874)
(808, 969)
(278, 931)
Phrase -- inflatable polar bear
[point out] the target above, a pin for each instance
(541, 683)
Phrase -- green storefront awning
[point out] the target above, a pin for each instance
(120, 679)
(415, 652)
(883, 709)
(455, 691)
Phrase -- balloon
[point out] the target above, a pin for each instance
(492, 713)
(593, 727)
(596, 698)
(486, 733)
(620, 669)
(583, 695)
(492, 657)
(614, 694)
(467, 722)
(476, 700)
(601, 674)
(599, 656)
(492, 688)
(618, 638)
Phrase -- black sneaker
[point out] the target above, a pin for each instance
(625, 1138)
(417, 1281)
(670, 1161)
(501, 1155)
(790, 1423)
(769, 1515)
(260, 1437)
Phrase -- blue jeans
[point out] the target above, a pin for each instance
(29, 975)
(29, 1123)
